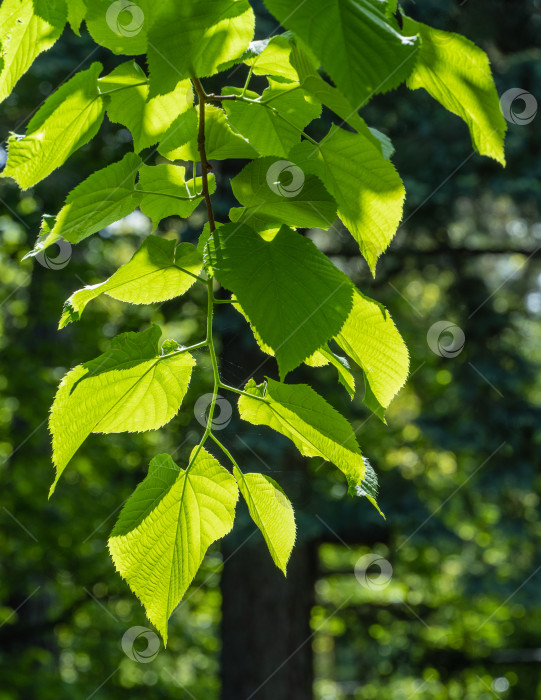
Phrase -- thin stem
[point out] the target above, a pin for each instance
(205, 167)
(239, 391)
(194, 178)
(199, 279)
(248, 78)
(226, 301)
(219, 98)
(280, 94)
(166, 194)
(210, 339)
(210, 294)
(215, 371)
(202, 344)
(286, 120)
(225, 451)
(123, 87)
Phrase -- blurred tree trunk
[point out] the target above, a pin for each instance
(266, 635)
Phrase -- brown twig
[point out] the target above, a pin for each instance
(220, 98)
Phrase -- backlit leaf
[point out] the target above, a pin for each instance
(356, 45)
(278, 192)
(167, 193)
(371, 339)
(303, 416)
(457, 74)
(148, 119)
(158, 271)
(366, 186)
(221, 142)
(103, 198)
(130, 388)
(275, 129)
(273, 59)
(166, 527)
(121, 26)
(271, 511)
(27, 27)
(68, 119)
(291, 293)
(195, 37)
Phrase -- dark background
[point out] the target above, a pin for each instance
(458, 461)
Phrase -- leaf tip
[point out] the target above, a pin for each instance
(52, 489)
(69, 315)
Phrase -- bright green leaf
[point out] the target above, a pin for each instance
(320, 358)
(327, 94)
(268, 274)
(303, 416)
(325, 356)
(103, 198)
(277, 192)
(180, 141)
(271, 511)
(371, 339)
(221, 142)
(168, 193)
(121, 26)
(130, 388)
(273, 59)
(68, 119)
(159, 270)
(368, 487)
(392, 8)
(204, 236)
(275, 129)
(366, 186)
(27, 27)
(147, 119)
(76, 13)
(332, 98)
(457, 74)
(356, 45)
(371, 402)
(253, 50)
(166, 527)
(193, 38)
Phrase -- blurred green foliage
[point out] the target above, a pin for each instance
(458, 460)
